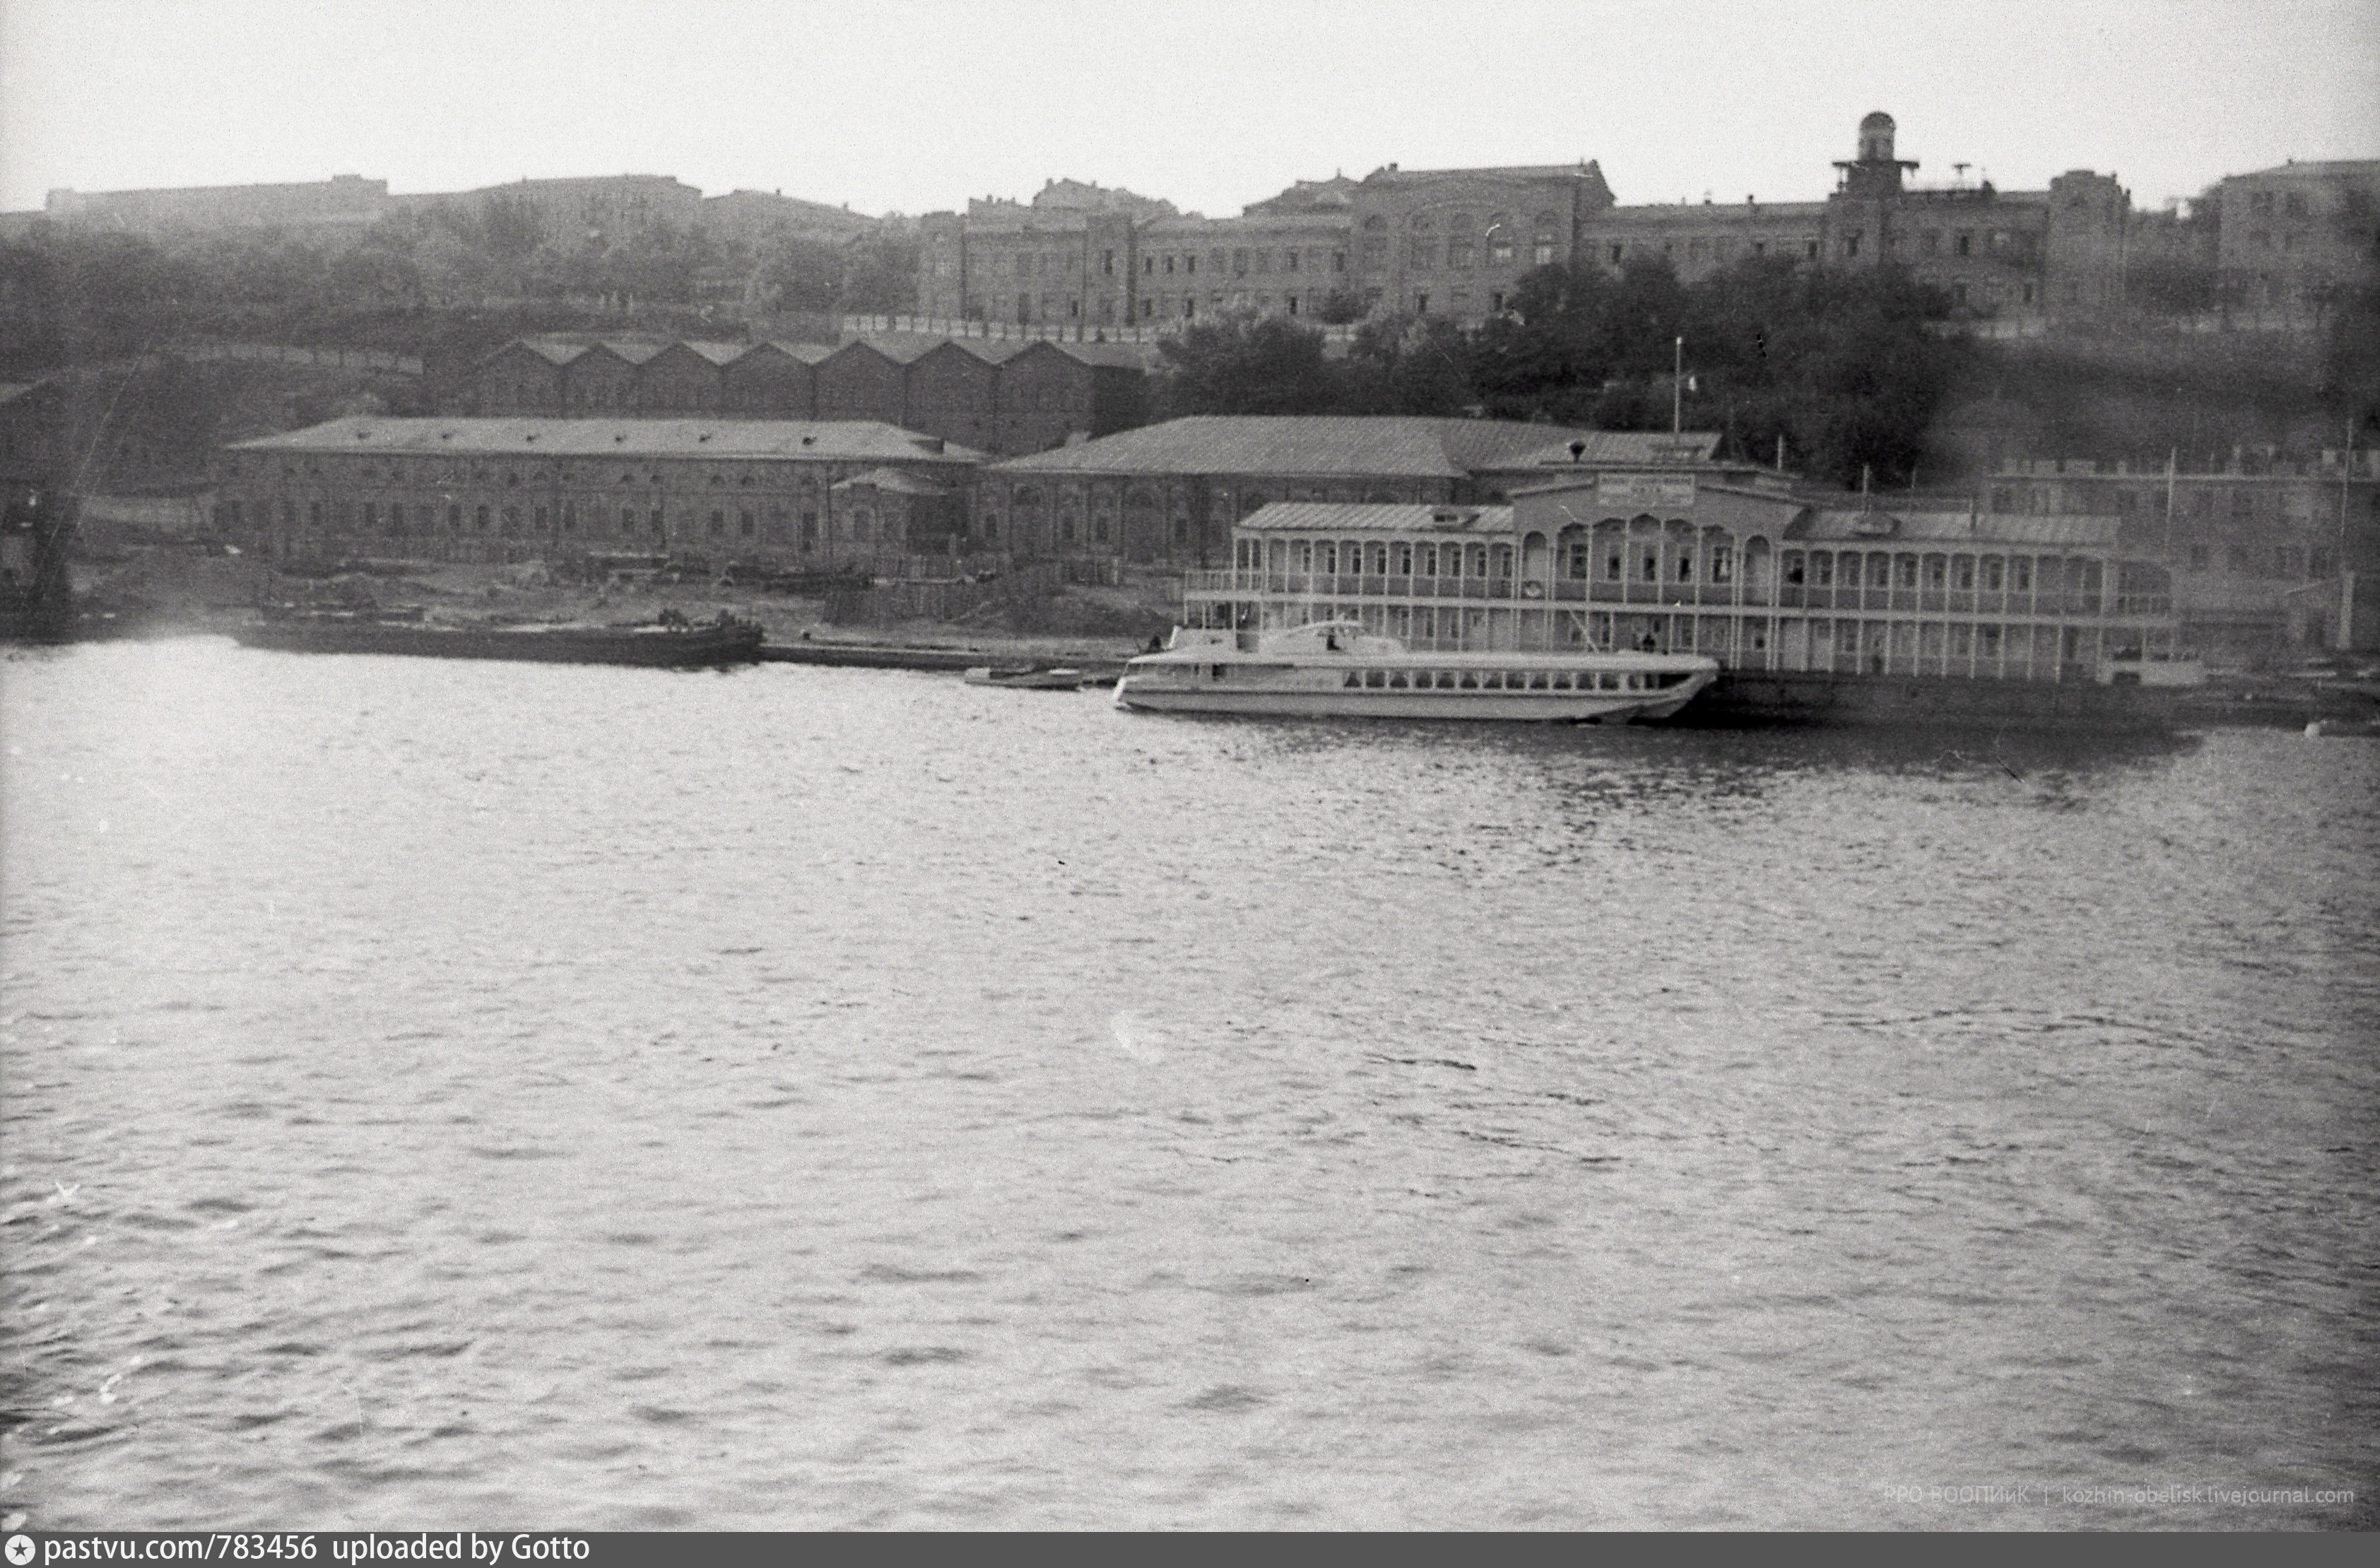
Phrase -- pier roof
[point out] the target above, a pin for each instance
(1363, 516)
(1855, 524)
(840, 440)
(1386, 445)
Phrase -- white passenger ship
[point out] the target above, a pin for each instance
(1337, 669)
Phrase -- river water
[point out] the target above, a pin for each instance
(450, 1094)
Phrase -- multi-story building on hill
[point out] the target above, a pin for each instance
(344, 203)
(756, 216)
(2269, 553)
(568, 210)
(1382, 243)
(573, 210)
(1456, 242)
(2293, 236)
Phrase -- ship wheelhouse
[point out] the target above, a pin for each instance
(1753, 575)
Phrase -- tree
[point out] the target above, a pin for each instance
(1246, 365)
(1341, 306)
(1407, 365)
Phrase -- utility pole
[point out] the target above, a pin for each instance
(1678, 390)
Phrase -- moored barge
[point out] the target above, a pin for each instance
(669, 644)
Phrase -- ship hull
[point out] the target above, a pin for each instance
(1503, 707)
(655, 648)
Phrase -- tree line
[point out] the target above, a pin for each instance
(1846, 376)
(1841, 368)
(414, 283)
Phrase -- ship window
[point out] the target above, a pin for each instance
(2021, 575)
(1353, 679)
(1469, 682)
(1396, 680)
(1608, 681)
(1376, 678)
(1560, 681)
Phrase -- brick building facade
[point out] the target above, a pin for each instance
(1455, 242)
(796, 495)
(2292, 237)
(2265, 551)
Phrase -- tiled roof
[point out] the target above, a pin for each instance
(1884, 527)
(1353, 517)
(1670, 214)
(900, 347)
(843, 440)
(893, 478)
(807, 353)
(634, 352)
(1508, 171)
(1388, 446)
(1609, 448)
(545, 348)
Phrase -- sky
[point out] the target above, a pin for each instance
(914, 106)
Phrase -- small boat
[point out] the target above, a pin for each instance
(672, 642)
(1028, 677)
(1337, 669)
(2348, 729)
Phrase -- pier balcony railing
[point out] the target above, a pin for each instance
(1760, 592)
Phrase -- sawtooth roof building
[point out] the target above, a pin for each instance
(997, 395)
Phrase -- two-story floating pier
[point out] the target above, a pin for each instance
(1814, 610)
